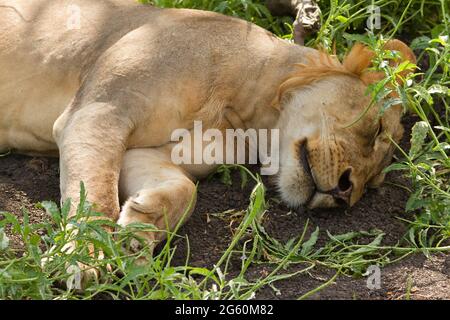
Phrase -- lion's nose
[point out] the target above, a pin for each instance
(343, 191)
(344, 184)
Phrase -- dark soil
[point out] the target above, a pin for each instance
(24, 181)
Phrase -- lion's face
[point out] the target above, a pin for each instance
(327, 158)
(324, 162)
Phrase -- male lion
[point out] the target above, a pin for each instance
(94, 79)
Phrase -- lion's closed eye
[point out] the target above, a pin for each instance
(379, 129)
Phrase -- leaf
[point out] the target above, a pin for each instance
(420, 43)
(442, 128)
(423, 93)
(375, 243)
(396, 167)
(263, 9)
(244, 177)
(442, 146)
(437, 88)
(342, 19)
(133, 273)
(290, 244)
(205, 273)
(405, 65)
(221, 7)
(343, 237)
(390, 102)
(308, 245)
(414, 202)
(441, 40)
(434, 50)
(225, 175)
(51, 209)
(418, 135)
(412, 236)
(358, 38)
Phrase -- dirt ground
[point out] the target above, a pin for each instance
(24, 181)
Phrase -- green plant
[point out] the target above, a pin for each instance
(252, 10)
(23, 275)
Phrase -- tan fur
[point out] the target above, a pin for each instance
(355, 64)
(334, 147)
(131, 74)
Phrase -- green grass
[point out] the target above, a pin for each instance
(23, 275)
(424, 24)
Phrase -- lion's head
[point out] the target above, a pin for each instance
(324, 162)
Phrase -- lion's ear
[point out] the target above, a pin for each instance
(406, 54)
(360, 58)
(405, 51)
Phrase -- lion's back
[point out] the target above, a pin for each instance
(50, 48)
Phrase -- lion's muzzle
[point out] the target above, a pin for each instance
(339, 195)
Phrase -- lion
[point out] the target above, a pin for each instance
(103, 84)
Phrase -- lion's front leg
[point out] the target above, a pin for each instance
(92, 141)
(156, 191)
